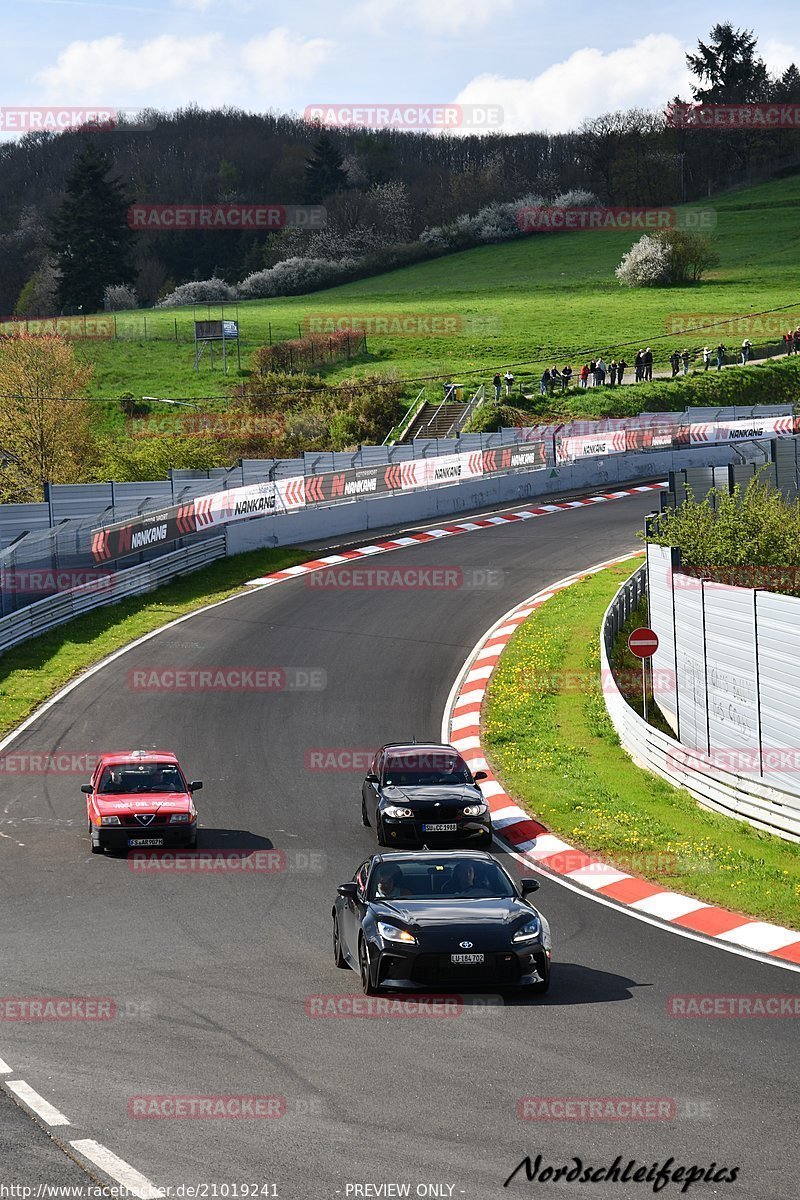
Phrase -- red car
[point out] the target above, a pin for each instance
(140, 798)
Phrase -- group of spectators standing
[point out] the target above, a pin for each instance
(597, 373)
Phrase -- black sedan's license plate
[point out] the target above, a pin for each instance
(448, 827)
(467, 959)
(145, 841)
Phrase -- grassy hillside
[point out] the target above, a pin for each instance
(546, 297)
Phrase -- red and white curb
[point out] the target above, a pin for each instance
(532, 844)
(431, 535)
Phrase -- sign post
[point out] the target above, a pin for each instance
(643, 643)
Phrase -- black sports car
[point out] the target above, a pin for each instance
(424, 795)
(452, 919)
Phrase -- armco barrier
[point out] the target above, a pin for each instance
(727, 792)
(57, 610)
(325, 521)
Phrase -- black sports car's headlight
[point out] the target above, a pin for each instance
(394, 810)
(476, 810)
(393, 933)
(529, 932)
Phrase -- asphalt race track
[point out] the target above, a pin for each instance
(210, 973)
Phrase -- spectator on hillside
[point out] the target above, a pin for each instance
(788, 340)
(544, 382)
(600, 372)
(720, 353)
(796, 340)
(621, 365)
(509, 378)
(706, 358)
(674, 362)
(592, 372)
(497, 383)
(612, 373)
(747, 350)
(583, 377)
(566, 375)
(638, 366)
(555, 380)
(686, 358)
(647, 363)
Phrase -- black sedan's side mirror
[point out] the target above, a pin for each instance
(195, 785)
(529, 885)
(87, 788)
(347, 889)
(479, 775)
(372, 778)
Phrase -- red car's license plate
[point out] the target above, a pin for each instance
(145, 841)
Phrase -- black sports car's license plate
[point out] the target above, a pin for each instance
(449, 827)
(145, 841)
(462, 959)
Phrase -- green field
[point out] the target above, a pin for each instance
(545, 298)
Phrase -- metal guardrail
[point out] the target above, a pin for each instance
(47, 614)
(725, 792)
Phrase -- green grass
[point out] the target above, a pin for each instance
(31, 672)
(545, 297)
(552, 744)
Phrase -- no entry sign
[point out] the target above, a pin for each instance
(643, 642)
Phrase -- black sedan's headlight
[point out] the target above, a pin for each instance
(529, 932)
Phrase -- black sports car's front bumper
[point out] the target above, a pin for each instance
(414, 969)
(408, 831)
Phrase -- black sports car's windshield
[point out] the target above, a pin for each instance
(450, 879)
(423, 769)
(142, 777)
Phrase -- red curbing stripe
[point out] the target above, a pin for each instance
(790, 953)
(707, 920)
(713, 920)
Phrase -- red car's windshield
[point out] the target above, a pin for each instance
(141, 777)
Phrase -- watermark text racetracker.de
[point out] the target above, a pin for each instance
(227, 679)
(382, 115)
(437, 579)
(565, 1109)
(734, 1005)
(226, 860)
(398, 324)
(729, 117)
(19, 119)
(65, 327)
(348, 1006)
(552, 219)
(48, 1009)
(218, 217)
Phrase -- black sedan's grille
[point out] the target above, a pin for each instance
(437, 968)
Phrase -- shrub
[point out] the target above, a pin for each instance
(294, 276)
(646, 264)
(198, 291)
(119, 296)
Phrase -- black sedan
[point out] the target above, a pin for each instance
(424, 795)
(451, 919)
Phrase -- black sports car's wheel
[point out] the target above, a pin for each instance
(338, 957)
(379, 834)
(367, 986)
(364, 817)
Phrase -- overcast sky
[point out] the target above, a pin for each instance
(548, 65)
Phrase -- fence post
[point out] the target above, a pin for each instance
(115, 327)
(176, 329)
(758, 684)
(145, 328)
(270, 333)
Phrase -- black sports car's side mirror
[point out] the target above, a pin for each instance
(195, 785)
(87, 788)
(479, 775)
(529, 885)
(347, 889)
(372, 778)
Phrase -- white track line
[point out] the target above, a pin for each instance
(5, 1069)
(130, 1179)
(43, 1108)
